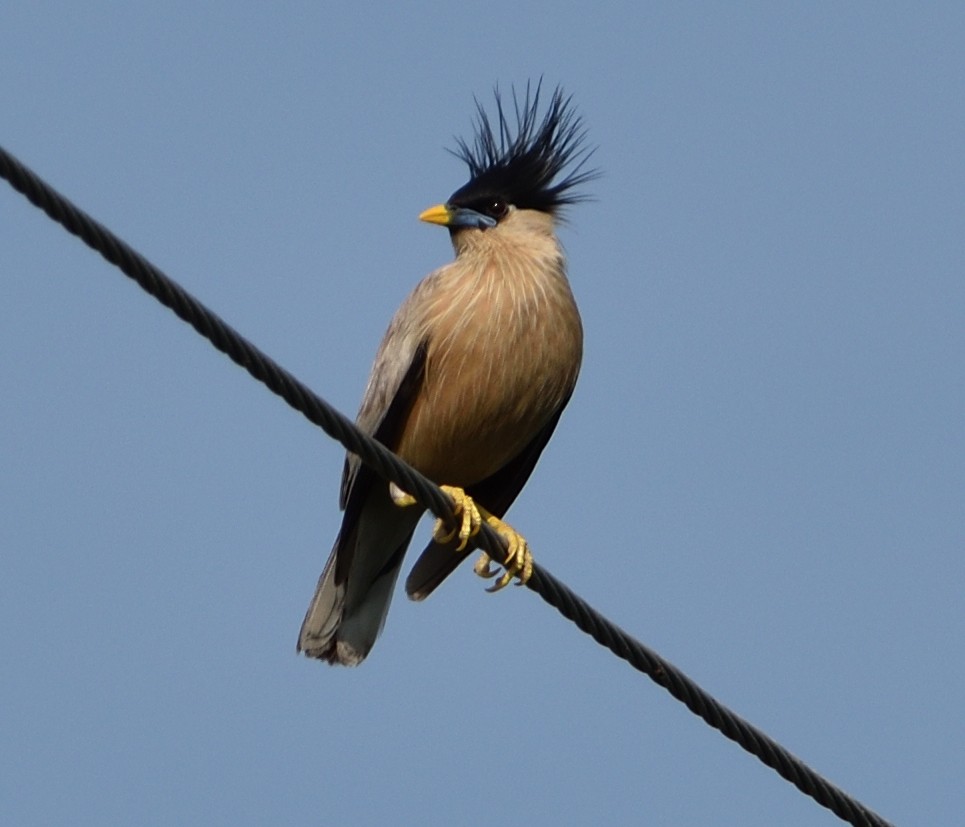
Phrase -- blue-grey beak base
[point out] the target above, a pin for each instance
(465, 217)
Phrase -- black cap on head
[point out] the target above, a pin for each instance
(519, 166)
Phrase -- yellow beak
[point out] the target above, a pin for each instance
(439, 214)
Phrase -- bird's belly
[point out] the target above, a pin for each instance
(464, 446)
(483, 401)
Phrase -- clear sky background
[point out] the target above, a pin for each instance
(761, 474)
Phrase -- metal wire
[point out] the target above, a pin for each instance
(390, 467)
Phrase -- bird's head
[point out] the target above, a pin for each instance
(536, 164)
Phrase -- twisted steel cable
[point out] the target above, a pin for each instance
(428, 494)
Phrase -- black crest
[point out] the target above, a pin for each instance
(524, 165)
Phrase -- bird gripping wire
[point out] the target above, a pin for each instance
(390, 467)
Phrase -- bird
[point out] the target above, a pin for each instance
(471, 376)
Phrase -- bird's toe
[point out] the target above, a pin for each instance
(401, 498)
(467, 516)
(519, 563)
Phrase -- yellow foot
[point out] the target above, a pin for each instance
(468, 516)
(466, 512)
(400, 497)
(520, 561)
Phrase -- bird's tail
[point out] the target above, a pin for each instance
(324, 616)
(435, 564)
(340, 627)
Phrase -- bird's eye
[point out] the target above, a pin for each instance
(496, 208)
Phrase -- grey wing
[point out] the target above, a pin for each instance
(394, 384)
(392, 387)
(496, 493)
(352, 596)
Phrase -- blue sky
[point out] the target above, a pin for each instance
(761, 474)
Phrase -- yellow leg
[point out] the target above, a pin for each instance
(470, 517)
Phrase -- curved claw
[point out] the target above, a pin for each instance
(483, 567)
(468, 515)
(519, 563)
